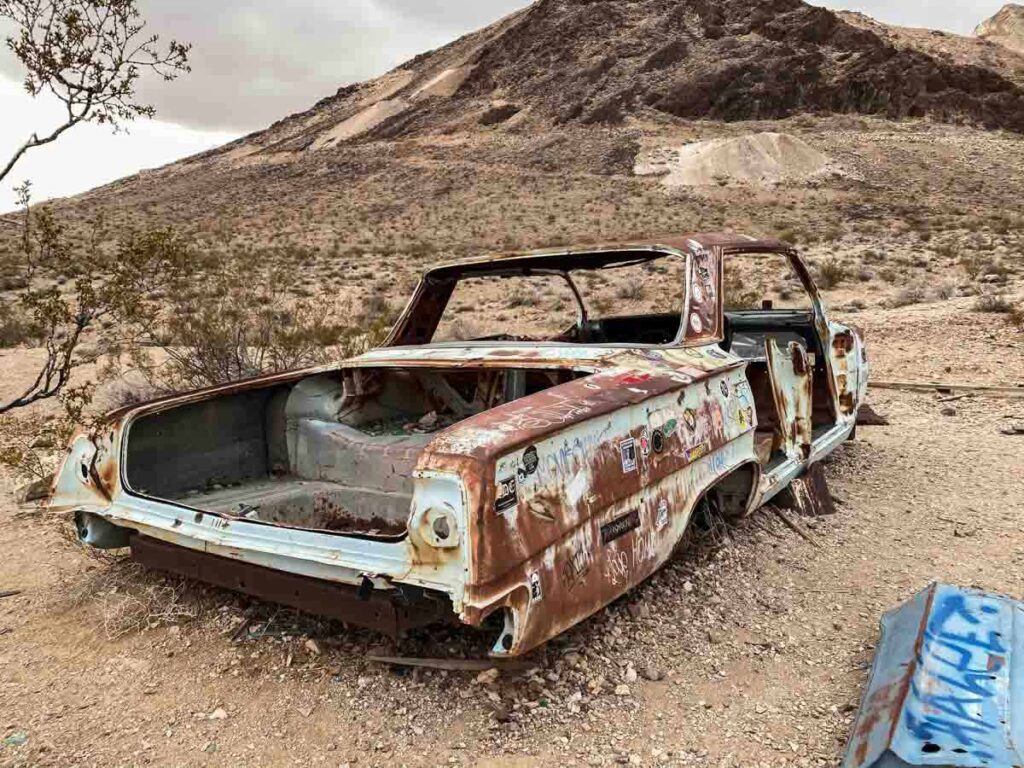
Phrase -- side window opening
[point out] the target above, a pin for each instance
(764, 300)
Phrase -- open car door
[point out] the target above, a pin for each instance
(792, 380)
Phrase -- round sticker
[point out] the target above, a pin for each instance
(530, 460)
(696, 324)
(698, 294)
(658, 441)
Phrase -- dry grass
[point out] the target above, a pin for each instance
(128, 598)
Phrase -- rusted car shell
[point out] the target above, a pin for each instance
(563, 500)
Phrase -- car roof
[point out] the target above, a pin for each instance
(606, 256)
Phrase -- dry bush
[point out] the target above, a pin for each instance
(630, 292)
(913, 294)
(241, 320)
(1015, 317)
(130, 598)
(831, 273)
(993, 302)
(15, 328)
(738, 294)
(30, 445)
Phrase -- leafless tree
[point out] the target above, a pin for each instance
(89, 54)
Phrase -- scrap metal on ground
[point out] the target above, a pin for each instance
(944, 685)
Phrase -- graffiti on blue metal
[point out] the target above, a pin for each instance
(942, 685)
(961, 664)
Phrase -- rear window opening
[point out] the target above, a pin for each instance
(334, 452)
(627, 298)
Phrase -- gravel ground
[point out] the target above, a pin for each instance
(751, 649)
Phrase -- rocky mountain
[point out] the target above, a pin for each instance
(1005, 28)
(600, 62)
(554, 107)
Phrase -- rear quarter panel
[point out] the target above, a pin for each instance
(589, 487)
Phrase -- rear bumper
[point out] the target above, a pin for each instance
(391, 612)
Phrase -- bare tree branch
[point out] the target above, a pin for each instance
(89, 55)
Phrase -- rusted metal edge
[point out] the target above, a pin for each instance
(455, 665)
(391, 614)
(945, 685)
(936, 387)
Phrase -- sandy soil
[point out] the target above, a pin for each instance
(749, 653)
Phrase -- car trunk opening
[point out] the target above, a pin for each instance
(333, 452)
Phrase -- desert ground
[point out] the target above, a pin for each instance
(752, 647)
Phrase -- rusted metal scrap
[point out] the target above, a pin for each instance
(946, 685)
(525, 482)
(454, 665)
(809, 494)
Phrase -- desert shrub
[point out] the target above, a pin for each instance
(946, 291)
(993, 302)
(831, 272)
(865, 275)
(633, 291)
(30, 443)
(521, 298)
(738, 294)
(241, 320)
(15, 329)
(913, 294)
(977, 265)
(1015, 316)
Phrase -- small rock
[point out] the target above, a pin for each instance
(715, 637)
(16, 739)
(652, 673)
(948, 410)
(429, 421)
(688, 587)
(36, 491)
(313, 647)
(1013, 429)
(630, 676)
(218, 714)
(488, 676)
(501, 713)
(623, 690)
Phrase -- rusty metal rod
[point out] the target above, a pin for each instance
(934, 387)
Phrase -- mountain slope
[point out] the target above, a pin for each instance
(530, 130)
(603, 61)
(1005, 28)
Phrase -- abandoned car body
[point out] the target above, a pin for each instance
(533, 480)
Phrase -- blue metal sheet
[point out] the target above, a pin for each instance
(947, 673)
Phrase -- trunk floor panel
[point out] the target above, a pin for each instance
(308, 504)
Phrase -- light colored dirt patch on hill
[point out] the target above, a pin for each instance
(757, 158)
(446, 84)
(361, 122)
(386, 86)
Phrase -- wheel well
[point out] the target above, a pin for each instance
(734, 492)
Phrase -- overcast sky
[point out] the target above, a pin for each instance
(255, 61)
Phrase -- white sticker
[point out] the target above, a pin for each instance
(536, 593)
(698, 294)
(578, 487)
(627, 449)
(662, 520)
(696, 324)
(645, 442)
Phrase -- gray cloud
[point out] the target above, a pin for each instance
(256, 61)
